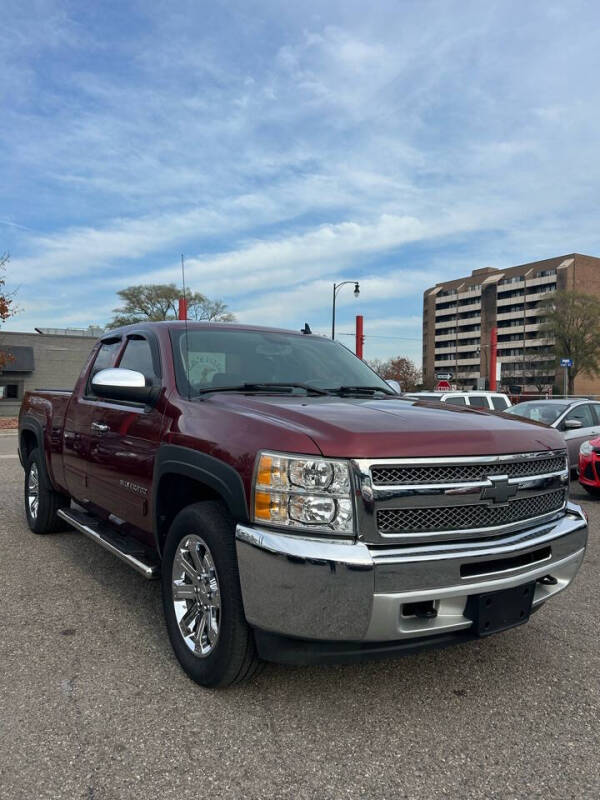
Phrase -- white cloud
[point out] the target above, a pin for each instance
(327, 249)
(284, 150)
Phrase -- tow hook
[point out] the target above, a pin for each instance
(424, 610)
(548, 580)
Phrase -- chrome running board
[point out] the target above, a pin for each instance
(128, 550)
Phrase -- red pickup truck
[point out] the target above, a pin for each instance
(295, 507)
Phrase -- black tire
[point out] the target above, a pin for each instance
(233, 658)
(43, 517)
(594, 491)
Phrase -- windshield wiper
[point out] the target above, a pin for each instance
(265, 387)
(367, 390)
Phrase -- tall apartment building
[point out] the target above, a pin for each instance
(458, 317)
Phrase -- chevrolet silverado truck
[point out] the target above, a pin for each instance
(295, 508)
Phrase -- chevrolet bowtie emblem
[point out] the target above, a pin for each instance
(500, 491)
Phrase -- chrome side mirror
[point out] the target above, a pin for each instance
(394, 385)
(124, 384)
(572, 424)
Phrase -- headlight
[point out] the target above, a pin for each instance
(303, 492)
(586, 449)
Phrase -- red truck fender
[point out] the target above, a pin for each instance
(176, 468)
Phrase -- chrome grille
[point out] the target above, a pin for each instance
(409, 474)
(463, 498)
(463, 517)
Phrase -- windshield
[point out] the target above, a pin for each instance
(538, 411)
(216, 359)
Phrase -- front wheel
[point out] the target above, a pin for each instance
(202, 598)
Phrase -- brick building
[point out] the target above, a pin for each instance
(40, 360)
(458, 317)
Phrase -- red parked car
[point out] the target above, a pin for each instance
(589, 466)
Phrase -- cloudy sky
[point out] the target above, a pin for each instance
(284, 146)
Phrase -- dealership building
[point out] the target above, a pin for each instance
(459, 316)
(48, 359)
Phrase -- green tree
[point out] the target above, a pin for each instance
(399, 369)
(572, 319)
(159, 301)
(7, 308)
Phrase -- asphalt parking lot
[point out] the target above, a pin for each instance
(93, 704)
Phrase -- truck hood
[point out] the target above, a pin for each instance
(394, 427)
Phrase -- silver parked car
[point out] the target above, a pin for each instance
(578, 420)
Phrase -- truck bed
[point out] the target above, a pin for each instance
(47, 408)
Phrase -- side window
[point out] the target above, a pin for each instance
(583, 413)
(499, 403)
(596, 407)
(478, 402)
(138, 356)
(456, 401)
(105, 358)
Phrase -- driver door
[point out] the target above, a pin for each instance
(130, 439)
(83, 429)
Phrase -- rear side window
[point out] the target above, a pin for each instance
(138, 356)
(478, 402)
(456, 401)
(499, 403)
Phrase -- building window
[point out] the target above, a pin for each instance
(514, 279)
(10, 391)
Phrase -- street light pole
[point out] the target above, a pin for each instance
(333, 314)
(336, 289)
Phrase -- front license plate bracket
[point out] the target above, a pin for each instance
(493, 612)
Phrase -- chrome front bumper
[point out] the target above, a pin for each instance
(346, 591)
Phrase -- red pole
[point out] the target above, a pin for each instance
(360, 339)
(182, 308)
(493, 357)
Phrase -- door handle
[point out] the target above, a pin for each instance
(99, 427)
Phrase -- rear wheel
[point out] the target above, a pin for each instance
(202, 598)
(42, 502)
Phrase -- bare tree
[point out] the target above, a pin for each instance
(159, 301)
(399, 369)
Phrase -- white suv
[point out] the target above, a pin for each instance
(491, 401)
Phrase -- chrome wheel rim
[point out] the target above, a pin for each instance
(196, 595)
(33, 491)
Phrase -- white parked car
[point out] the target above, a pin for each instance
(491, 401)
